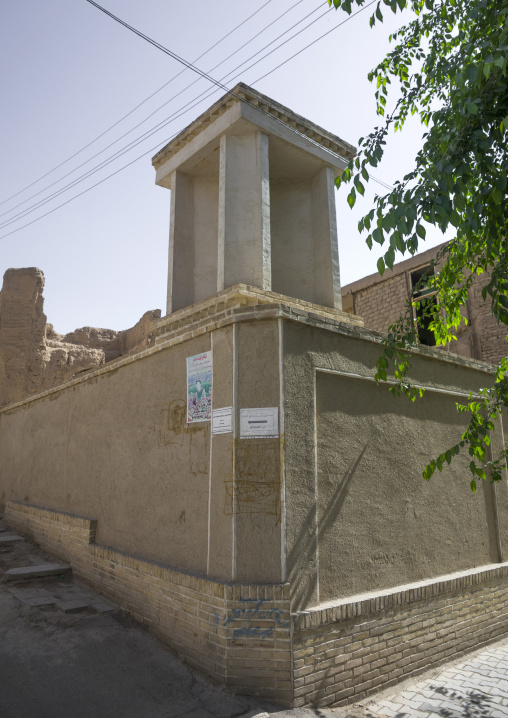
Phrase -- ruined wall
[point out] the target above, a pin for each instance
(33, 357)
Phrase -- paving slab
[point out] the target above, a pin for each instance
(472, 687)
(9, 538)
(68, 598)
(44, 569)
(73, 606)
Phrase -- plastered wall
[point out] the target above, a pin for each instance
(335, 506)
(117, 448)
(360, 517)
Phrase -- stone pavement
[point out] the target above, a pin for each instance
(473, 687)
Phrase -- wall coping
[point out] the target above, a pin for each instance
(254, 98)
(240, 296)
(404, 266)
(204, 584)
(366, 604)
(63, 516)
(200, 323)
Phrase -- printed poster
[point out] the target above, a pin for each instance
(199, 387)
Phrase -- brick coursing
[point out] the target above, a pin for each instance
(383, 302)
(344, 653)
(236, 634)
(244, 636)
(491, 336)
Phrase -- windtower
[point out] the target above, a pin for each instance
(252, 202)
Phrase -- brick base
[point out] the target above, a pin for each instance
(243, 636)
(365, 644)
(236, 634)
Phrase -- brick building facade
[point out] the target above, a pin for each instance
(381, 300)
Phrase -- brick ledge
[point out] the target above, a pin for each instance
(369, 603)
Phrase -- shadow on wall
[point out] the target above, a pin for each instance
(306, 544)
(389, 527)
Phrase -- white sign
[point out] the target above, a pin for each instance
(222, 420)
(259, 423)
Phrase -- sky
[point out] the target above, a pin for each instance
(71, 74)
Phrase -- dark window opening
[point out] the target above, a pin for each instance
(424, 304)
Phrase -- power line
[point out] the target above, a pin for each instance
(211, 79)
(145, 136)
(174, 135)
(36, 194)
(212, 47)
(178, 113)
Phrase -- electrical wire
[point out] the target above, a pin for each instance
(217, 82)
(178, 113)
(130, 146)
(212, 47)
(104, 149)
(174, 135)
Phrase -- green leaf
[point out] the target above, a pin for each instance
(429, 470)
(496, 195)
(359, 186)
(472, 73)
(381, 266)
(390, 258)
(459, 202)
(472, 108)
(473, 486)
(421, 231)
(351, 198)
(455, 218)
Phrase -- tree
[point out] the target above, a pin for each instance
(449, 67)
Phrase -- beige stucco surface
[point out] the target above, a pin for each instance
(117, 448)
(336, 505)
(360, 517)
(258, 472)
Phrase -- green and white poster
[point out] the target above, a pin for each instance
(199, 387)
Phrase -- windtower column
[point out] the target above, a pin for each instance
(244, 246)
